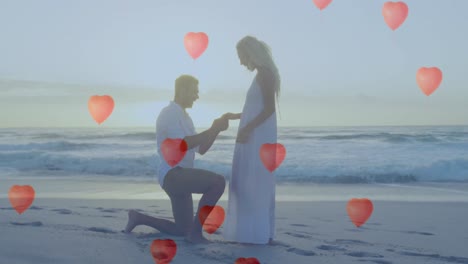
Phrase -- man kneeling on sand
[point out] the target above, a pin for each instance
(181, 181)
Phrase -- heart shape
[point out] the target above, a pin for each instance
(394, 14)
(429, 79)
(321, 4)
(195, 43)
(100, 107)
(247, 261)
(272, 155)
(211, 218)
(173, 150)
(359, 210)
(21, 197)
(163, 250)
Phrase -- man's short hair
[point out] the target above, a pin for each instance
(184, 81)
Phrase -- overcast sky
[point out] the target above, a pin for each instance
(342, 66)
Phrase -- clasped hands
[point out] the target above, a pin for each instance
(222, 123)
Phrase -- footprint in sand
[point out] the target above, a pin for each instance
(331, 248)
(300, 225)
(36, 223)
(443, 259)
(301, 252)
(101, 230)
(62, 211)
(360, 254)
(30, 208)
(297, 235)
(351, 242)
(377, 261)
(418, 233)
(358, 230)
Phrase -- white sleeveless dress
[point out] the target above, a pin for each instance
(250, 214)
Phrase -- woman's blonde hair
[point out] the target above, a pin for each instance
(259, 53)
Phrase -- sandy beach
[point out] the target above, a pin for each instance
(74, 221)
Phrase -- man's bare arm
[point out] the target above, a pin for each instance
(206, 138)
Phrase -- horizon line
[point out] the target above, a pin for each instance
(203, 127)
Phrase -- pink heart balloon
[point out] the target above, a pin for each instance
(359, 210)
(321, 4)
(272, 155)
(211, 217)
(163, 250)
(173, 150)
(429, 79)
(100, 107)
(394, 14)
(195, 43)
(21, 197)
(247, 261)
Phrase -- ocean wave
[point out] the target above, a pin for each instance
(284, 134)
(41, 164)
(337, 156)
(352, 179)
(99, 136)
(137, 136)
(73, 147)
(50, 146)
(384, 137)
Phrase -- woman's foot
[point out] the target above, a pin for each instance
(132, 221)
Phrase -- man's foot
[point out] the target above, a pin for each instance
(132, 223)
(197, 239)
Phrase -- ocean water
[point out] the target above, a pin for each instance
(314, 154)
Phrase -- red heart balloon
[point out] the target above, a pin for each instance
(173, 150)
(21, 197)
(100, 107)
(195, 43)
(272, 155)
(163, 250)
(211, 218)
(321, 4)
(247, 261)
(394, 14)
(359, 210)
(429, 79)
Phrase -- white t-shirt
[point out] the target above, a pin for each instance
(174, 122)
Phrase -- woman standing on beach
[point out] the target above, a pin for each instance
(251, 205)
